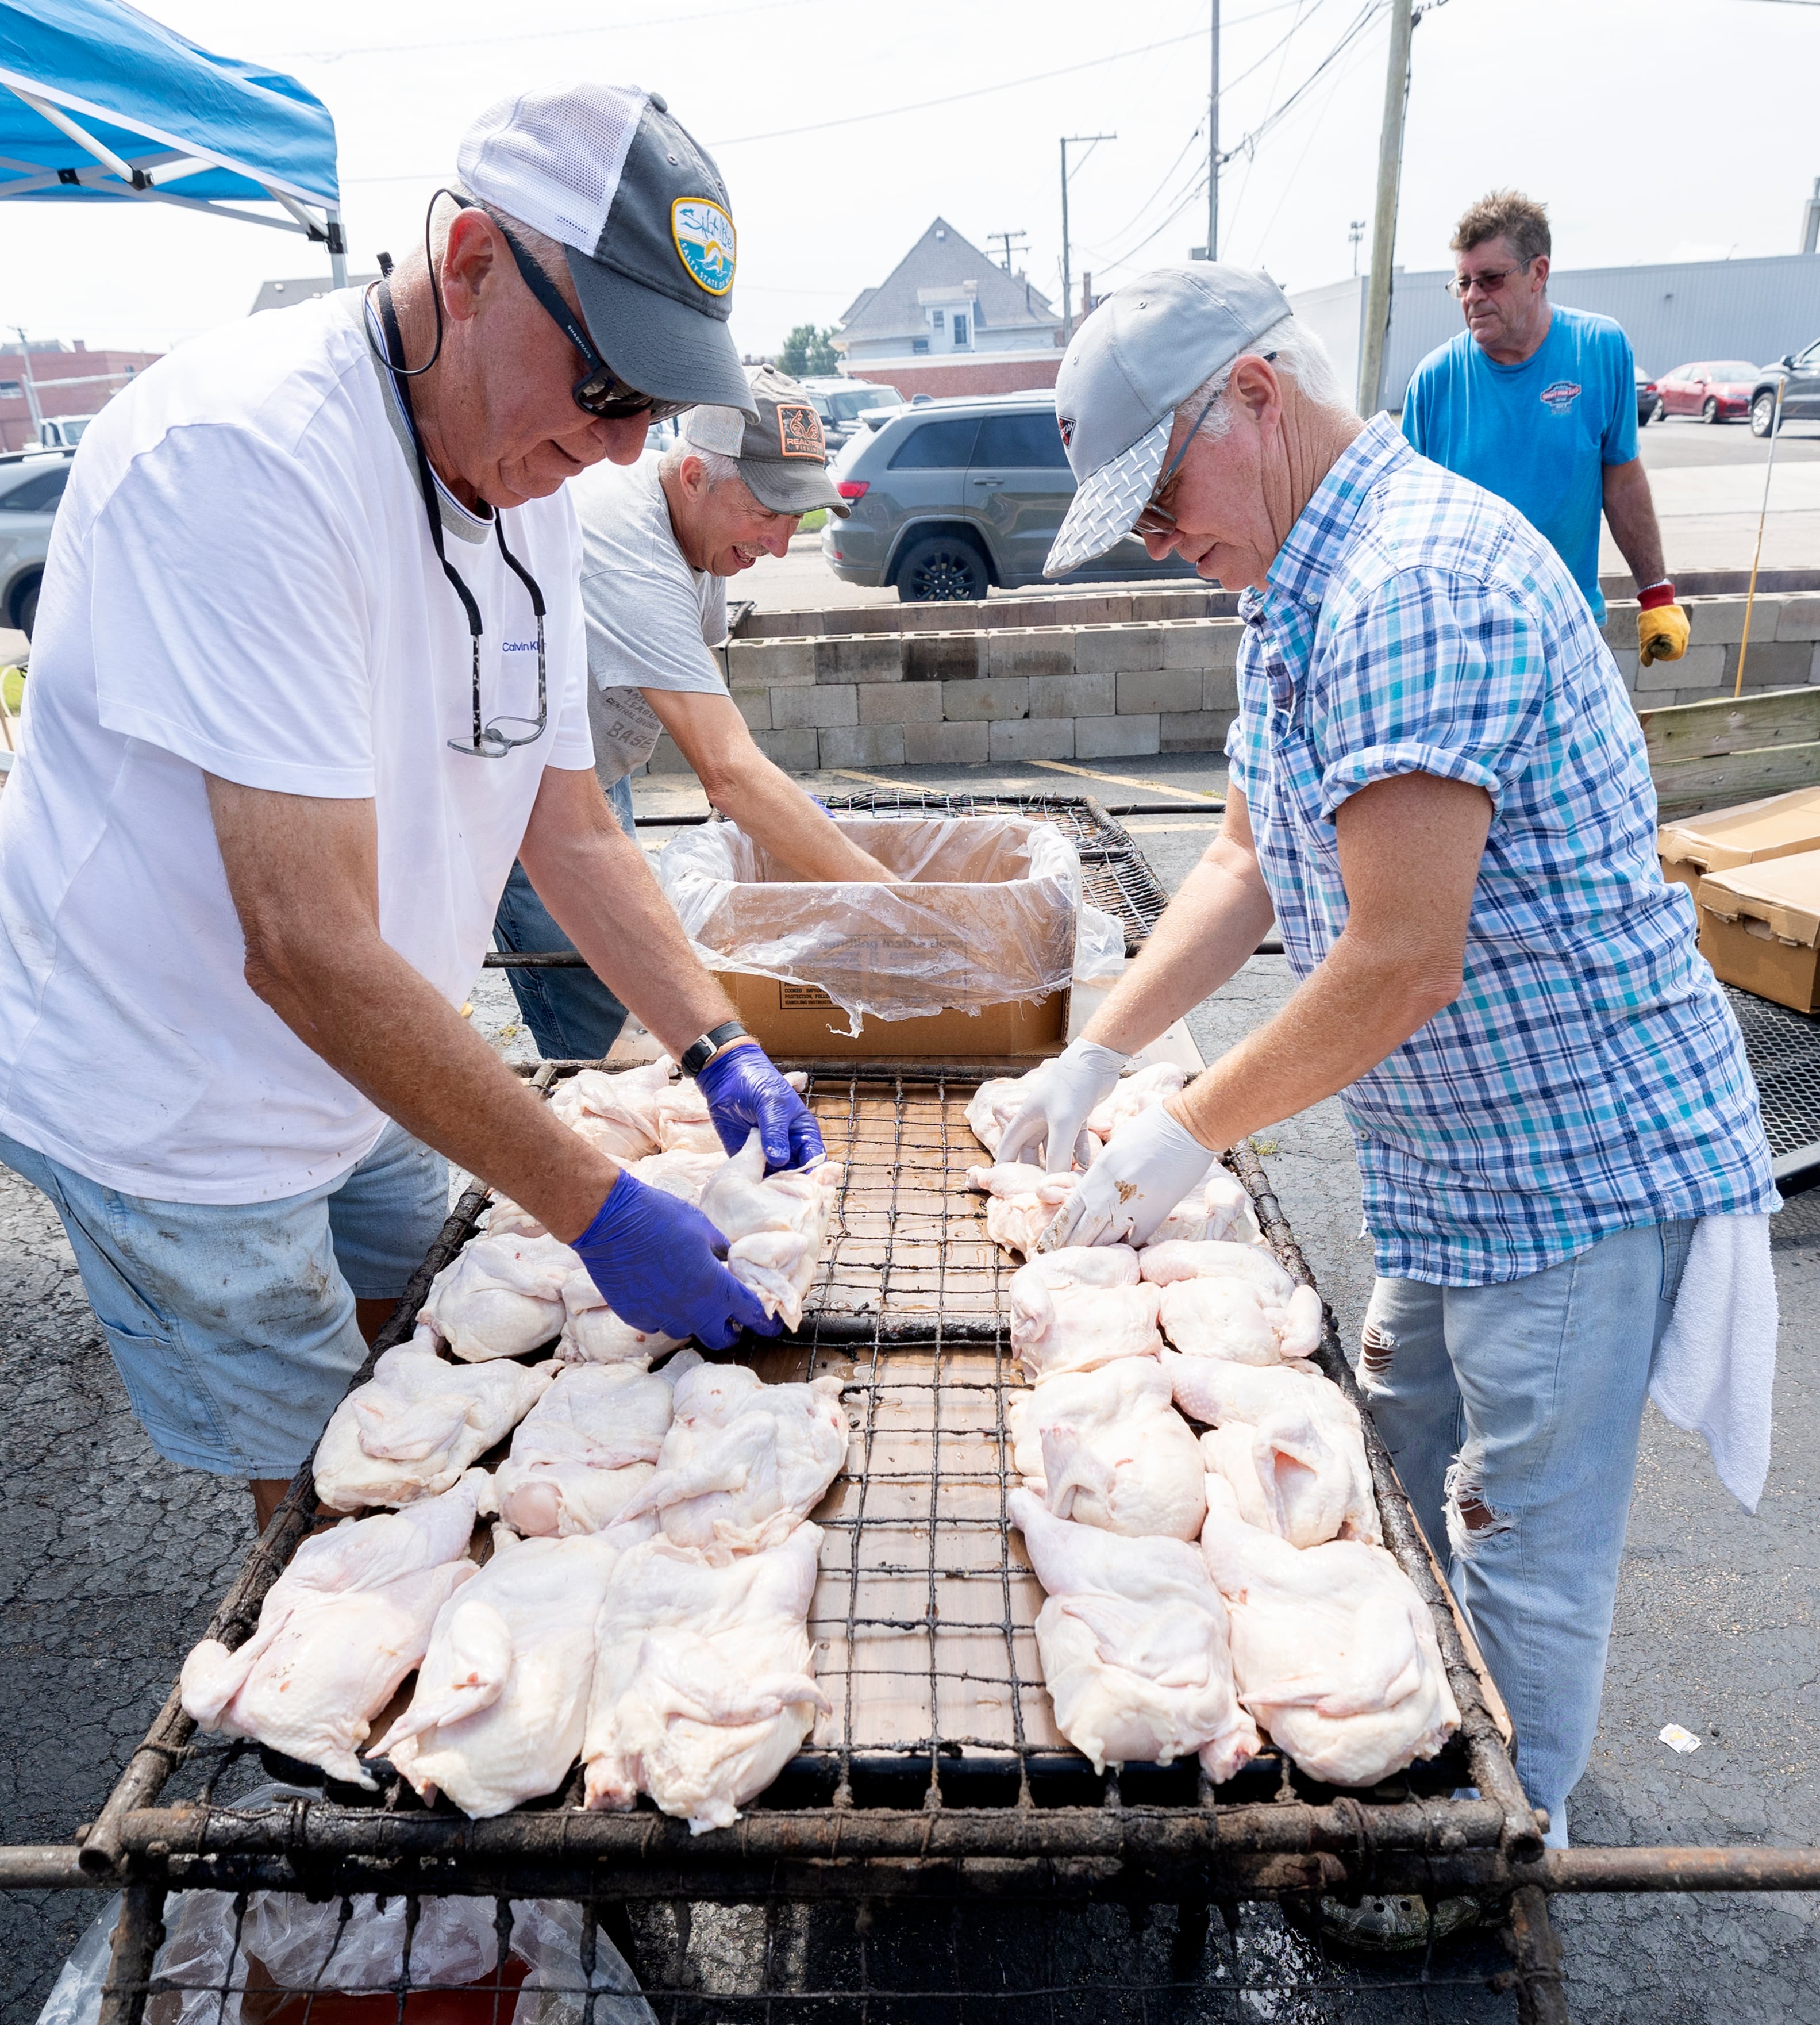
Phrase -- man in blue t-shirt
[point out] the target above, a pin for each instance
(1539, 404)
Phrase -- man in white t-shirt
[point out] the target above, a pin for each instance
(659, 539)
(309, 673)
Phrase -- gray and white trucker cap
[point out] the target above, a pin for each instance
(642, 213)
(1133, 363)
(782, 451)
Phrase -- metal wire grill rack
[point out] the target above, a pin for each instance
(1115, 872)
(1783, 1051)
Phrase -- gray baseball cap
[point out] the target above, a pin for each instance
(782, 451)
(642, 213)
(1133, 363)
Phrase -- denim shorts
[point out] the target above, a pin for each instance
(232, 1324)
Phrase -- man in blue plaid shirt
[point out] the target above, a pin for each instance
(1439, 790)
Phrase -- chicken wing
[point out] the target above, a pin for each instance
(338, 1631)
(776, 1224)
(1134, 1645)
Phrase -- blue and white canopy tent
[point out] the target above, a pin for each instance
(100, 104)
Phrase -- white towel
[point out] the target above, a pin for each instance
(1715, 1368)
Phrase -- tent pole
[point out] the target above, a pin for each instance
(337, 247)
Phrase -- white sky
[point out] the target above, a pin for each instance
(1653, 129)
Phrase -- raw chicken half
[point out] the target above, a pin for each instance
(743, 1462)
(1333, 1651)
(703, 1690)
(988, 1110)
(502, 1693)
(1022, 1205)
(776, 1224)
(1081, 1307)
(1134, 1645)
(417, 1423)
(338, 1631)
(588, 1447)
(615, 1112)
(1232, 1301)
(500, 1297)
(1107, 1448)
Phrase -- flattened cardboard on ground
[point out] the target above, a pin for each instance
(1759, 929)
(1752, 833)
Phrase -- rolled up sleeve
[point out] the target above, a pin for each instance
(1430, 675)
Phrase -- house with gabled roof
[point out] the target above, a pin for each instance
(949, 320)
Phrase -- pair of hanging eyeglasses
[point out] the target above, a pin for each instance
(600, 391)
(489, 741)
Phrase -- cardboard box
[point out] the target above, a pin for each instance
(1752, 833)
(800, 1021)
(1759, 929)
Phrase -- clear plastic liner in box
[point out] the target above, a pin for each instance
(989, 909)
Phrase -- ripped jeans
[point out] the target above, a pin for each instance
(1512, 1413)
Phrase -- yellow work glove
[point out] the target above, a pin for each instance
(1661, 629)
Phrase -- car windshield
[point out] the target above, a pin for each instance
(1732, 369)
(846, 407)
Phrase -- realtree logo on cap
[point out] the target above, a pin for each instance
(799, 430)
(705, 242)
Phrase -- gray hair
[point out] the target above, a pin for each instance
(546, 252)
(715, 464)
(1300, 357)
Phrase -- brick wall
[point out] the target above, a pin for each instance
(980, 373)
(1120, 689)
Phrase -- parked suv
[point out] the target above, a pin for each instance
(1798, 374)
(841, 402)
(950, 498)
(31, 483)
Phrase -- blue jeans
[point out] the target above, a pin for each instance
(1512, 1412)
(572, 1015)
(232, 1324)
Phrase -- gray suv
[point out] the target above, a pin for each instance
(31, 483)
(951, 498)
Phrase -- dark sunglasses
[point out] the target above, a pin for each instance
(600, 391)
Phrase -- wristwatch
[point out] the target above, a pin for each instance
(698, 1054)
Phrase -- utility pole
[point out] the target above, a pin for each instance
(31, 389)
(1384, 228)
(1005, 239)
(1090, 141)
(1213, 146)
(1355, 232)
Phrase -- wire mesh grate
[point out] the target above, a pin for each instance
(1115, 874)
(1784, 1050)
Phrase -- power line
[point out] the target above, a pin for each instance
(539, 34)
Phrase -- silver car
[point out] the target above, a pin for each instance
(31, 483)
(951, 498)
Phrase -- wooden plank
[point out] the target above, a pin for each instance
(1689, 786)
(1726, 725)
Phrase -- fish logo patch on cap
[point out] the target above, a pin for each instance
(705, 242)
(799, 430)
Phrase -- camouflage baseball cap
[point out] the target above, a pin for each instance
(782, 452)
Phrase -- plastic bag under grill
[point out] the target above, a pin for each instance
(988, 913)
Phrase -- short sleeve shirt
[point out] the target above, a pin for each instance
(1590, 1077)
(1538, 435)
(652, 620)
(241, 583)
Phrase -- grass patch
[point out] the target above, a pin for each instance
(813, 522)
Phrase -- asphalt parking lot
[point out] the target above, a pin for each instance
(110, 1561)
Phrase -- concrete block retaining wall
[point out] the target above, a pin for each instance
(1117, 676)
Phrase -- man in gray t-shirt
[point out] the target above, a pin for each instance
(660, 537)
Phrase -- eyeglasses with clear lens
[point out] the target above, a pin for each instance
(1158, 517)
(1487, 285)
(600, 391)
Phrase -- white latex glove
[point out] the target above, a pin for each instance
(1050, 1122)
(1149, 1164)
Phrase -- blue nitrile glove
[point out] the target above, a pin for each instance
(657, 1262)
(744, 1090)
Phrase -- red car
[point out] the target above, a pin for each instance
(1717, 389)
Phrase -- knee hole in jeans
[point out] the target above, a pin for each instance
(1377, 1349)
(1470, 1519)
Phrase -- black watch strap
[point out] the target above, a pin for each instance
(698, 1054)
